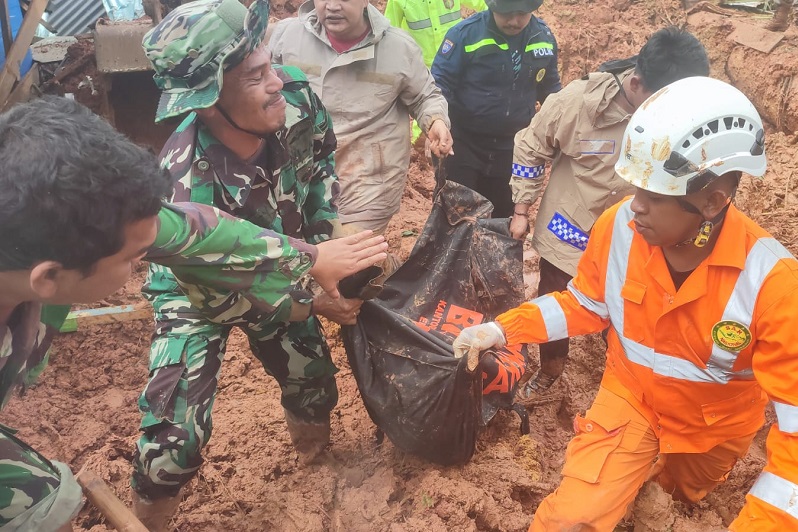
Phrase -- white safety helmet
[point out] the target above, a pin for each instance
(689, 133)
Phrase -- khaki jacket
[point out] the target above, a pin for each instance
(579, 131)
(369, 90)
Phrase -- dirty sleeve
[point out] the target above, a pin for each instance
(770, 504)
(579, 310)
(419, 92)
(230, 269)
(538, 144)
(320, 210)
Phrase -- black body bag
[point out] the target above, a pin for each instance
(463, 270)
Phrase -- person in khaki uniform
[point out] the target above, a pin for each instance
(371, 77)
(579, 131)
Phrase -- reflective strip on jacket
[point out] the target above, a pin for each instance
(579, 131)
(428, 21)
(664, 351)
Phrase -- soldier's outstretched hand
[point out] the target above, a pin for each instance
(341, 257)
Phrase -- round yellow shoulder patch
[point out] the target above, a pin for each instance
(731, 335)
(541, 73)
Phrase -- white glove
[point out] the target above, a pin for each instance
(473, 340)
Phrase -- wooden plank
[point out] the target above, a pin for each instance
(755, 37)
(78, 319)
(21, 92)
(10, 72)
(5, 26)
(100, 495)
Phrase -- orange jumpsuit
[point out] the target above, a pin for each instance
(688, 372)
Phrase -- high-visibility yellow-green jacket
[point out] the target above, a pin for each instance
(427, 21)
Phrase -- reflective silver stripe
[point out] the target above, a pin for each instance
(620, 247)
(553, 317)
(778, 492)
(762, 258)
(618, 263)
(670, 366)
(450, 17)
(596, 307)
(420, 24)
(788, 417)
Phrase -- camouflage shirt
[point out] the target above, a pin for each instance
(240, 267)
(289, 187)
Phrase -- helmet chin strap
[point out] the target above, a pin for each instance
(705, 229)
(233, 122)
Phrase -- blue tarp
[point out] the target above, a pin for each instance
(15, 17)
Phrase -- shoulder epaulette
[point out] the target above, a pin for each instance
(544, 25)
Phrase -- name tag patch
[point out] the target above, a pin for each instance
(543, 52)
(597, 147)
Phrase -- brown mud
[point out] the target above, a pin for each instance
(84, 411)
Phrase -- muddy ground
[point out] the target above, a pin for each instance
(84, 411)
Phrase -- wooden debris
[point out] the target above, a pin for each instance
(10, 73)
(755, 37)
(100, 495)
(78, 319)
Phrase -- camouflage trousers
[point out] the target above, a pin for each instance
(185, 361)
(35, 494)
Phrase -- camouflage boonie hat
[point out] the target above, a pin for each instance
(192, 46)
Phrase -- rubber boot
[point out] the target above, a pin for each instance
(155, 515)
(781, 18)
(310, 438)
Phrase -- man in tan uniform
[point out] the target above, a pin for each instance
(579, 131)
(371, 77)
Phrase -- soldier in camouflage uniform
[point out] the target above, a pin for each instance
(259, 145)
(56, 149)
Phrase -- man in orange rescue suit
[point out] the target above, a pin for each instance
(700, 303)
